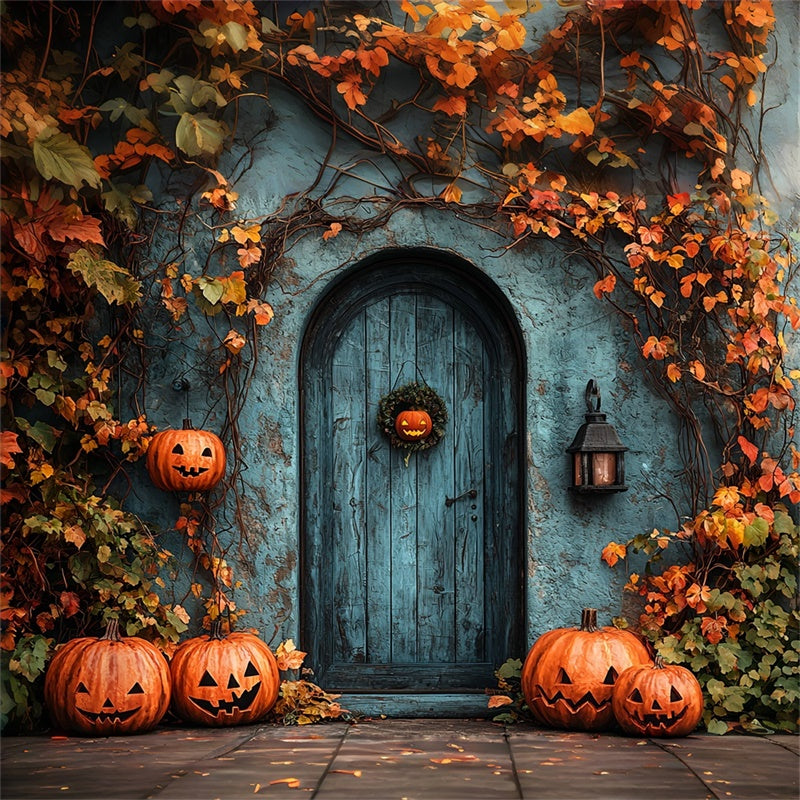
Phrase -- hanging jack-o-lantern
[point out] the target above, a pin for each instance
(658, 700)
(186, 460)
(569, 674)
(107, 685)
(223, 680)
(413, 425)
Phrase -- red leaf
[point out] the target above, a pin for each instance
(749, 449)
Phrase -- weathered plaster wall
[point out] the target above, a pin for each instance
(568, 342)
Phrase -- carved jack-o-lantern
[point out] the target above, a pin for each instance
(571, 677)
(186, 460)
(108, 685)
(413, 425)
(658, 700)
(224, 680)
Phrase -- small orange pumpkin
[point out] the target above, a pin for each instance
(569, 674)
(186, 460)
(223, 680)
(413, 425)
(658, 700)
(107, 685)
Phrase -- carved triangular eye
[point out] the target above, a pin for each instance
(178, 450)
(675, 695)
(611, 677)
(636, 696)
(563, 677)
(207, 680)
(136, 688)
(251, 670)
(81, 688)
(206, 452)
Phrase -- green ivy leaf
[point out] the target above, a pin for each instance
(58, 156)
(43, 434)
(198, 134)
(717, 727)
(755, 534)
(116, 284)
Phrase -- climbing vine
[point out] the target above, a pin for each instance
(127, 129)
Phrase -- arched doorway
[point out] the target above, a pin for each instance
(412, 575)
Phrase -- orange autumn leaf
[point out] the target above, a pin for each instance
(713, 629)
(497, 700)
(263, 312)
(452, 194)
(234, 342)
(243, 235)
(674, 373)
(605, 286)
(333, 231)
(613, 552)
(9, 447)
(462, 75)
(373, 60)
(454, 106)
(350, 89)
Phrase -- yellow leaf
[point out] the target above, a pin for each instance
(579, 121)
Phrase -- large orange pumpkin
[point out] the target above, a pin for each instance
(657, 700)
(186, 460)
(107, 685)
(223, 680)
(413, 425)
(569, 674)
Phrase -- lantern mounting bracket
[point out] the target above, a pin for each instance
(592, 396)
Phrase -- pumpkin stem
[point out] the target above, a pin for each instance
(658, 663)
(187, 425)
(216, 629)
(589, 619)
(112, 631)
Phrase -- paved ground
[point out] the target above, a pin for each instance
(418, 759)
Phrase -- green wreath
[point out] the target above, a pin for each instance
(418, 397)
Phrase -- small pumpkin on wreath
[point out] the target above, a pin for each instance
(413, 417)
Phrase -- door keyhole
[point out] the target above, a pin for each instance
(473, 493)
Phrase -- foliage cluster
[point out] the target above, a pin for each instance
(148, 105)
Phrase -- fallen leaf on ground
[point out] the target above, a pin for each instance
(356, 772)
(292, 783)
(451, 759)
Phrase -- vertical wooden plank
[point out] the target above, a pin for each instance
(377, 482)
(347, 523)
(402, 583)
(435, 482)
(470, 456)
(504, 572)
(314, 587)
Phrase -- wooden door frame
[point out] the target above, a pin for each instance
(479, 299)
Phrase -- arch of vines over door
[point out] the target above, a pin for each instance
(412, 574)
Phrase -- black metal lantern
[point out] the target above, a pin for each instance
(598, 456)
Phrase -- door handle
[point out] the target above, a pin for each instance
(473, 493)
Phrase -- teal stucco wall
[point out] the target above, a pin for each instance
(566, 344)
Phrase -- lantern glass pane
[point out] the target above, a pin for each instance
(604, 469)
(578, 477)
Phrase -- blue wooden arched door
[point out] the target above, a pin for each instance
(412, 574)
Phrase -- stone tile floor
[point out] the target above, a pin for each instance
(392, 759)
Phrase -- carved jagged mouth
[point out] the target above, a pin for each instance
(413, 433)
(660, 720)
(574, 705)
(190, 472)
(239, 702)
(108, 716)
